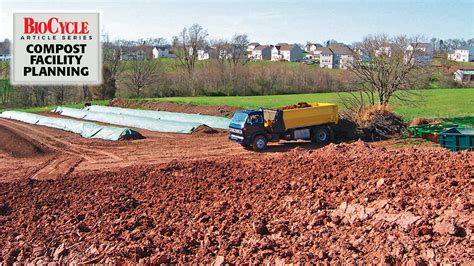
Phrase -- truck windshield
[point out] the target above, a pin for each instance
(239, 119)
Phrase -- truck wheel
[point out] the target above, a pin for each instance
(259, 143)
(322, 135)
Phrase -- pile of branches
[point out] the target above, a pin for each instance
(380, 122)
(296, 106)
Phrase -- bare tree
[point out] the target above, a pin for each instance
(219, 50)
(141, 75)
(5, 87)
(187, 43)
(388, 66)
(237, 48)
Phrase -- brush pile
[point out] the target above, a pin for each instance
(380, 122)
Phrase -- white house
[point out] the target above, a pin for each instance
(202, 55)
(384, 51)
(162, 52)
(423, 53)
(311, 47)
(252, 46)
(262, 52)
(326, 58)
(287, 52)
(316, 54)
(462, 54)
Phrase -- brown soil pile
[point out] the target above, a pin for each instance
(296, 106)
(348, 203)
(424, 121)
(17, 145)
(204, 130)
(225, 111)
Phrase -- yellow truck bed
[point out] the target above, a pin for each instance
(317, 114)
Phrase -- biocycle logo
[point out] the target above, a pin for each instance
(56, 49)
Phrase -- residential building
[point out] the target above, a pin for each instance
(451, 55)
(316, 54)
(286, 52)
(464, 76)
(419, 54)
(326, 57)
(262, 52)
(203, 54)
(162, 52)
(136, 53)
(252, 46)
(336, 56)
(462, 54)
(311, 47)
(385, 50)
(343, 56)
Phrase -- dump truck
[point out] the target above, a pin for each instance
(312, 121)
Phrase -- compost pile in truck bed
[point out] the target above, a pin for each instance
(296, 106)
(346, 202)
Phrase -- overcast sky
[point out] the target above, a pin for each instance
(266, 21)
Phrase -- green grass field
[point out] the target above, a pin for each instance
(454, 105)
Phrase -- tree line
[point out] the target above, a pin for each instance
(226, 73)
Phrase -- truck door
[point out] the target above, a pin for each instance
(255, 124)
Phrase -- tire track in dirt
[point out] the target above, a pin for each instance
(67, 156)
(72, 147)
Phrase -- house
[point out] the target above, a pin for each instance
(262, 52)
(5, 57)
(451, 55)
(464, 76)
(252, 46)
(311, 47)
(462, 54)
(316, 54)
(286, 52)
(419, 54)
(343, 56)
(336, 56)
(326, 57)
(385, 50)
(162, 52)
(203, 54)
(136, 53)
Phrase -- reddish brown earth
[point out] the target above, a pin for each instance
(226, 111)
(181, 198)
(184, 198)
(17, 145)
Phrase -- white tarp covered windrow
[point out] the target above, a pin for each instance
(85, 129)
(129, 120)
(208, 120)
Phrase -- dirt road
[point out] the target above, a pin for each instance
(70, 152)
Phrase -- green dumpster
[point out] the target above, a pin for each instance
(457, 139)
